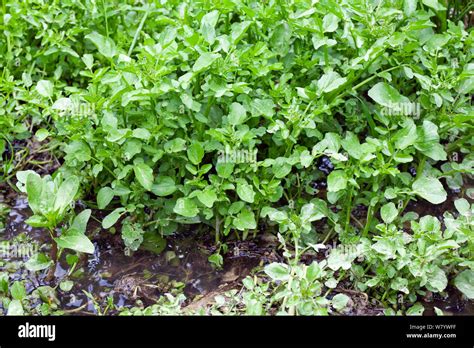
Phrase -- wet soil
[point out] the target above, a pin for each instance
(137, 279)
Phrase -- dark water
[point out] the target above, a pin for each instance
(452, 303)
(142, 276)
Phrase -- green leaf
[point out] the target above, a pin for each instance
(245, 220)
(337, 180)
(384, 94)
(66, 193)
(164, 186)
(15, 308)
(45, 88)
(105, 45)
(224, 170)
(281, 168)
(274, 214)
(281, 38)
(207, 197)
(34, 188)
(104, 197)
(78, 150)
(330, 23)
(195, 153)
(263, 107)
(245, 192)
(400, 284)
(88, 60)
(112, 218)
(131, 148)
(75, 240)
(340, 258)
(216, 259)
(278, 271)
(238, 30)
(144, 175)
(406, 136)
(340, 301)
(464, 281)
(208, 22)
(38, 262)
(463, 206)
(237, 114)
(428, 142)
(313, 272)
(311, 212)
(385, 247)
(37, 221)
(389, 212)
(434, 4)
(186, 207)
(430, 189)
(17, 290)
(204, 61)
(409, 7)
(330, 81)
(437, 280)
(132, 235)
(80, 221)
(175, 145)
(416, 310)
(41, 134)
(66, 285)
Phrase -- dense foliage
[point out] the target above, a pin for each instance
(319, 120)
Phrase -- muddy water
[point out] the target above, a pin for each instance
(451, 304)
(131, 280)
